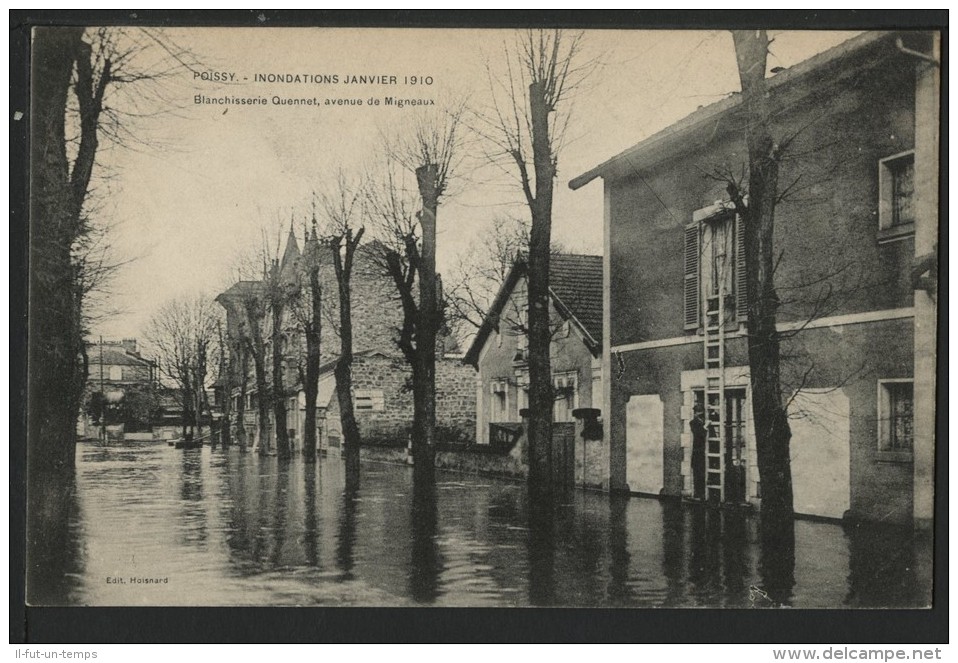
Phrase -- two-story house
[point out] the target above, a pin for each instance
(859, 213)
(120, 381)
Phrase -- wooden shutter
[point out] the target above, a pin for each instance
(691, 262)
(741, 278)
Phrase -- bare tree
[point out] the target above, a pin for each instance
(89, 86)
(431, 147)
(184, 340)
(482, 270)
(772, 431)
(526, 129)
(239, 370)
(343, 207)
(307, 309)
(281, 288)
(225, 378)
(253, 302)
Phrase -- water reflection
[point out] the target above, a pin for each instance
(54, 556)
(542, 553)
(231, 528)
(777, 567)
(425, 563)
(346, 539)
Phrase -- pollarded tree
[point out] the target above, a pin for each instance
(526, 129)
(431, 146)
(772, 431)
(307, 309)
(342, 204)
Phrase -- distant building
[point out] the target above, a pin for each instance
(864, 120)
(118, 376)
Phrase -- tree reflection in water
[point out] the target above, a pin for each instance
(346, 538)
(311, 533)
(777, 561)
(240, 527)
(426, 563)
(54, 561)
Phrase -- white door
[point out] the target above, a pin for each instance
(644, 438)
(820, 452)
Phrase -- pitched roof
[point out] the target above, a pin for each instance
(290, 262)
(114, 355)
(661, 145)
(575, 282)
(241, 289)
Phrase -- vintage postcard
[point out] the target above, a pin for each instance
(482, 317)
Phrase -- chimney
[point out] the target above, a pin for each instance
(129, 344)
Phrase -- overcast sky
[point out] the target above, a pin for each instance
(211, 177)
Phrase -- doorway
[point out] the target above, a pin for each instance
(735, 452)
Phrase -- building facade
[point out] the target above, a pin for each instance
(499, 353)
(858, 198)
(120, 381)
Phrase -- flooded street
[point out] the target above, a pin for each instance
(225, 528)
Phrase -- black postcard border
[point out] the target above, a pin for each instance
(465, 625)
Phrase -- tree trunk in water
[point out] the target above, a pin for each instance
(313, 355)
(424, 379)
(351, 440)
(772, 432)
(262, 388)
(243, 363)
(227, 379)
(279, 389)
(541, 398)
(344, 367)
(55, 334)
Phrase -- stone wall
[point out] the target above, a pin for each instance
(391, 418)
(509, 462)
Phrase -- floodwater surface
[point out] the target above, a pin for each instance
(144, 524)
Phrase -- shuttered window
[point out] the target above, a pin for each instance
(692, 297)
(693, 269)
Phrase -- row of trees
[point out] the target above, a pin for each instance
(523, 131)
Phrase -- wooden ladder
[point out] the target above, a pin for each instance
(714, 327)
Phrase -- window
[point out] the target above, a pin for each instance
(566, 396)
(896, 190)
(714, 264)
(499, 390)
(369, 401)
(116, 373)
(896, 419)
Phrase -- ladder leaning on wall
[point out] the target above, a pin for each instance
(714, 347)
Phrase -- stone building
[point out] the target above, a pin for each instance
(382, 393)
(856, 278)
